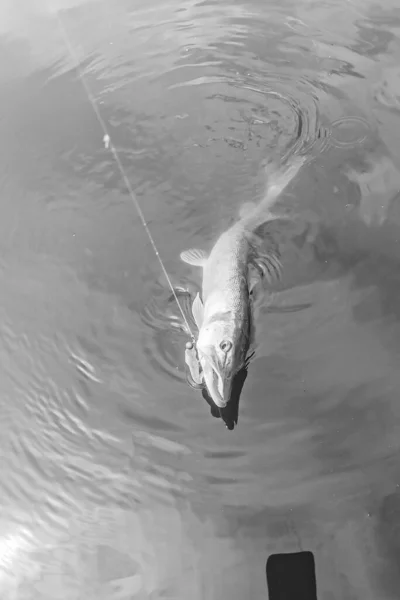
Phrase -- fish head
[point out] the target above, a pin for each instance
(222, 347)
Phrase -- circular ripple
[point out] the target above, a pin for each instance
(348, 131)
(267, 112)
(287, 109)
(295, 102)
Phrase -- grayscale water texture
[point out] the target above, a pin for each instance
(116, 481)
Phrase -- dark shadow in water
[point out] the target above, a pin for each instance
(230, 413)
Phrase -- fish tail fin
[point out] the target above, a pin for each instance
(279, 179)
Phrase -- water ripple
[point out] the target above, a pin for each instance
(274, 111)
(349, 131)
(85, 368)
(301, 97)
(161, 314)
(95, 425)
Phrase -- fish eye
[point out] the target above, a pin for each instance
(225, 345)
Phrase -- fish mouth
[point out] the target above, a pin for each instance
(216, 381)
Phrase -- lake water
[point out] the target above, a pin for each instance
(117, 482)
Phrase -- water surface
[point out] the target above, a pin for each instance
(116, 480)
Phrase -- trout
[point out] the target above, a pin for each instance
(242, 256)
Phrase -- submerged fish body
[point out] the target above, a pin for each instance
(239, 259)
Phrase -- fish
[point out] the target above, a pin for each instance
(242, 256)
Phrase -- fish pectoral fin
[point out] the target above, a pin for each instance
(193, 368)
(246, 209)
(195, 257)
(198, 311)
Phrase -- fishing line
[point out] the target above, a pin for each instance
(109, 146)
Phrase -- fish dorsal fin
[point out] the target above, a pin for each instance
(198, 311)
(195, 257)
(246, 209)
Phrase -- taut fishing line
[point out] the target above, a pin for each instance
(110, 146)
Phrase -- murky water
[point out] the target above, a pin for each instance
(116, 480)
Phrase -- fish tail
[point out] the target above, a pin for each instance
(279, 180)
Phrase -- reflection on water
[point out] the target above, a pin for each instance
(117, 483)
